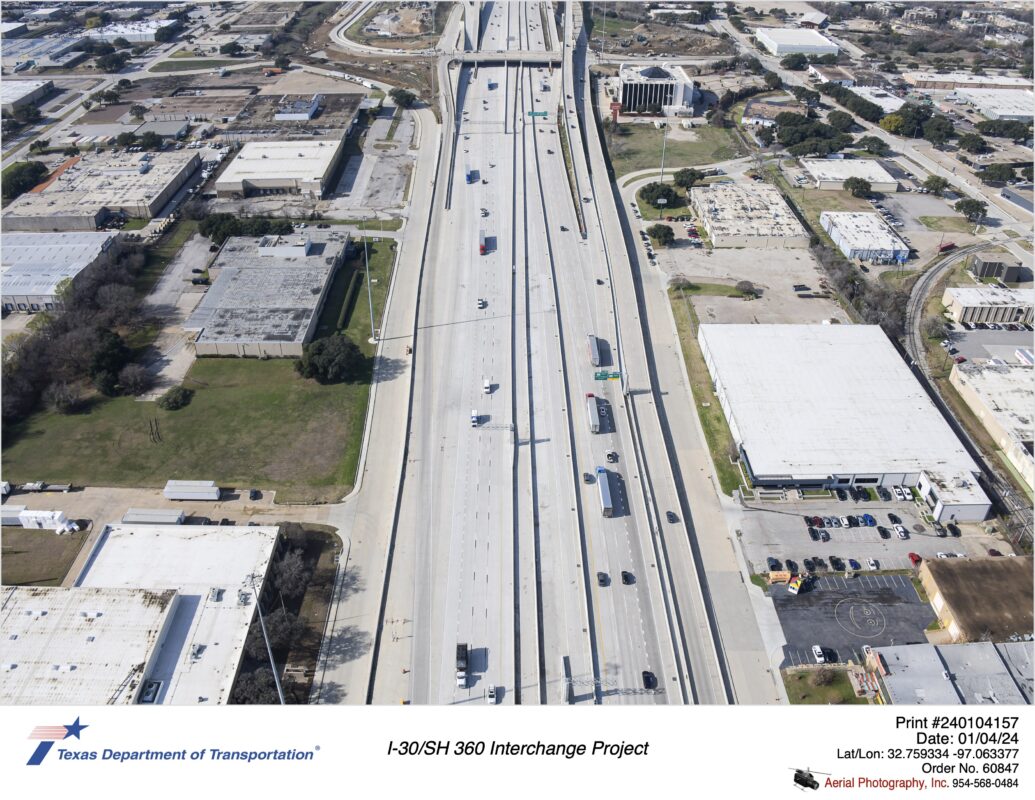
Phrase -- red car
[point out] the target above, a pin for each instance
(915, 559)
(959, 359)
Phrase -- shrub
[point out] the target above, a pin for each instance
(176, 398)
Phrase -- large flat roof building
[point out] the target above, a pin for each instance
(216, 573)
(668, 88)
(1004, 266)
(57, 51)
(35, 265)
(764, 112)
(1002, 397)
(888, 102)
(831, 74)
(302, 167)
(1008, 104)
(16, 94)
(964, 80)
(784, 41)
(981, 599)
(836, 406)
(831, 173)
(989, 304)
(268, 294)
(88, 189)
(83, 646)
(134, 32)
(747, 216)
(864, 236)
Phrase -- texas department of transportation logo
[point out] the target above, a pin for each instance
(47, 735)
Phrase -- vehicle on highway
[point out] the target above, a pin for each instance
(482, 303)
(487, 386)
(587, 477)
(485, 212)
(604, 487)
(649, 681)
(818, 654)
(602, 579)
(628, 579)
(481, 243)
(490, 694)
(594, 350)
(563, 228)
(611, 456)
(593, 412)
(671, 516)
(461, 666)
(474, 418)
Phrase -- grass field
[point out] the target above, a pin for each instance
(802, 691)
(159, 256)
(37, 558)
(639, 147)
(716, 429)
(947, 224)
(135, 224)
(251, 423)
(393, 224)
(183, 64)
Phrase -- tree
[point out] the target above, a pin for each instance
(175, 398)
(687, 177)
(39, 146)
(282, 62)
(717, 117)
(653, 192)
(997, 173)
(224, 26)
(1008, 128)
(822, 677)
(934, 327)
(772, 80)
(662, 234)
(935, 184)
(22, 176)
(938, 130)
(765, 135)
(65, 398)
(121, 44)
(138, 110)
(71, 150)
(333, 359)
(126, 139)
(109, 358)
(1026, 172)
(746, 288)
(231, 49)
(151, 141)
(27, 115)
(794, 61)
(875, 145)
(135, 380)
(840, 121)
(164, 34)
(892, 123)
(255, 688)
(973, 210)
(807, 96)
(124, 83)
(291, 574)
(282, 628)
(403, 98)
(972, 143)
(859, 187)
(112, 62)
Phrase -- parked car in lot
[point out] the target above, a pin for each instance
(915, 559)
(818, 654)
(884, 532)
(827, 522)
(895, 519)
(817, 522)
(813, 534)
(901, 532)
(846, 522)
(823, 535)
(871, 563)
(836, 563)
(809, 565)
(884, 494)
(869, 520)
(835, 522)
(772, 563)
(841, 494)
(853, 564)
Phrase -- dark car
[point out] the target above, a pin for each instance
(772, 563)
(817, 522)
(587, 477)
(253, 494)
(884, 532)
(671, 516)
(853, 564)
(894, 519)
(808, 519)
(197, 270)
(199, 281)
(791, 566)
(884, 494)
(649, 681)
(837, 563)
(840, 494)
(813, 534)
(994, 553)
(602, 579)
(612, 457)
(824, 535)
(819, 562)
(853, 522)
(628, 578)
(809, 565)
(953, 529)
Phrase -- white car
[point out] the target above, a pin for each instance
(902, 532)
(817, 653)
(845, 523)
(871, 564)
(490, 695)
(946, 555)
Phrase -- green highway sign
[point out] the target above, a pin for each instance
(537, 113)
(604, 375)
(614, 376)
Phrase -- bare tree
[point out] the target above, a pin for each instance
(135, 379)
(64, 398)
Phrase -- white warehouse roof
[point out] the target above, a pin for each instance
(792, 40)
(1000, 103)
(35, 263)
(302, 160)
(862, 230)
(840, 169)
(968, 296)
(811, 401)
(212, 569)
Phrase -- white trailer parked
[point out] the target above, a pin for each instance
(191, 490)
(153, 516)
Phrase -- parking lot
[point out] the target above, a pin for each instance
(978, 344)
(778, 530)
(844, 615)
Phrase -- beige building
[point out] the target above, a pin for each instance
(302, 167)
(989, 304)
(747, 216)
(980, 599)
(1002, 396)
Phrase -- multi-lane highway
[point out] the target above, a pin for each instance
(501, 539)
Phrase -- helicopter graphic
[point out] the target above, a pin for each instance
(805, 779)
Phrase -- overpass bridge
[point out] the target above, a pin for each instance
(506, 57)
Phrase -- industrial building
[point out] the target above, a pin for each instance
(302, 167)
(16, 94)
(85, 191)
(747, 216)
(813, 19)
(831, 173)
(830, 74)
(667, 88)
(1007, 104)
(975, 673)
(133, 32)
(216, 573)
(1002, 397)
(959, 590)
(888, 102)
(964, 80)
(80, 646)
(763, 112)
(59, 51)
(785, 41)
(1005, 267)
(33, 266)
(11, 30)
(298, 109)
(864, 236)
(268, 294)
(166, 128)
(989, 304)
(827, 406)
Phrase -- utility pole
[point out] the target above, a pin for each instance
(664, 139)
(370, 296)
(266, 639)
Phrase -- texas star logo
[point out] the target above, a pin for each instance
(47, 735)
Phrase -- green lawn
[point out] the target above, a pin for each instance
(639, 147)
(183, 64)
(801, 689)
(37, 558)
(716, 429)
(948, 224)
(135, 224)
(159, 256)
(393, 224)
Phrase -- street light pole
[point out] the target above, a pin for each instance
(664, 140)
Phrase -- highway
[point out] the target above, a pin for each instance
(498, 538)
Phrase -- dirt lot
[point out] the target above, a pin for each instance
(618, 37)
